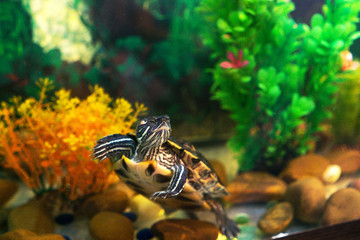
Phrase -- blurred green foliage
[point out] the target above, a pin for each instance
(167, 74)
(22, 62)
(346, 118)
(15, 31)
(151, 51)
(279, 99)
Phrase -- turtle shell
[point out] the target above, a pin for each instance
(151, 176)
(201, 175)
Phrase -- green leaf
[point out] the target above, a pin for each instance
(242, 16)
(274, 92)
(246, 79)
(317, 20)
(325, 10)
(239, 29)
(262, 74)
(262, 86)
(338, 45)
(301, 106)
(317, 32)
(354, 36)
(321, 51)
(52, 58)
(223, 25)
(269, 112)
(324, 44)
(311, 44)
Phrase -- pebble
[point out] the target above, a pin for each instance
(131, 216)
(355, 184)
(277, 218)
(66, 237)
(348, 160)
(342, 206)
(310, 165)
(17, 234)
(242, 218)
(331, 174)
(307, 196)
(255, 187)
(111, 226)
(22, 234)
(146, 210)
(144, 234)
(64, 218)
(8, 189)
(122, 187)
(189, 229)
(113, 201)
(31, 216)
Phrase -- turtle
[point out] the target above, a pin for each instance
(166, 170)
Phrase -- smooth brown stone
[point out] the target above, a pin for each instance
(122, 187)
(348, 160)
(310, 165)
(8, 189)
(255, 187)
(185, 229)
(276, 218)
(18, 234)
(22, 234)
(111, 226)
(342, 231)
(355, 184)
(112, 201)
(342, 206)
(32, 217)
(307, 196)
(220, 170)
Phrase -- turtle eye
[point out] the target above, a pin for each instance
(152, 120)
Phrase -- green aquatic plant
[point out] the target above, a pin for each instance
(280, 98)
(175, 63)
(22, 62)
(345, 121)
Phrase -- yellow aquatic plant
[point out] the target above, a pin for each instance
(48, 144)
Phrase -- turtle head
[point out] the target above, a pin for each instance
(153, 131)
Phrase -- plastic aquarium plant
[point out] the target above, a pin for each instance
(346, 114)
(276, 77)
(47, 144)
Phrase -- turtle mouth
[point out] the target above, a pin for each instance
(163, 127)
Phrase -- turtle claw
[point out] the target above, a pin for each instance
(163, 195)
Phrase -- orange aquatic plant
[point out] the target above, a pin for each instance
(48, 144)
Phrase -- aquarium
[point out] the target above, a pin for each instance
(185, 119)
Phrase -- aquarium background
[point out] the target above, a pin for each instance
(259, 86)
(154, 52)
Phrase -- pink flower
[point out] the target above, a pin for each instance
(234, 62)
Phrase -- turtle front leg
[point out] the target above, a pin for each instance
(176, 184)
